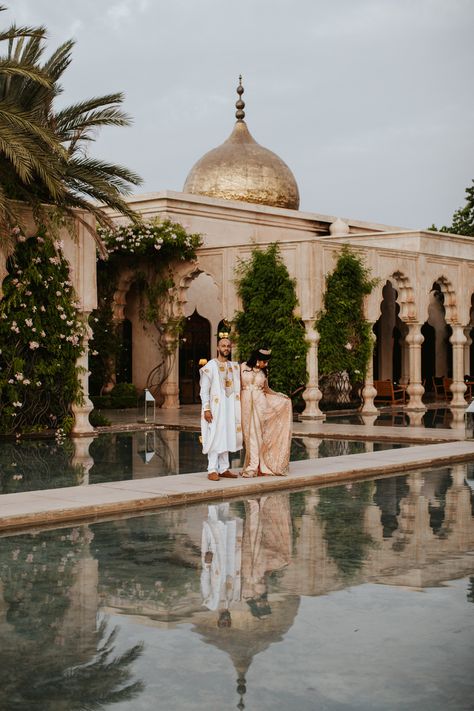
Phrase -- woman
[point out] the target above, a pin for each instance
(266, 420)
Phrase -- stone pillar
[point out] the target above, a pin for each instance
(467, 350)
(170, 388)
(415, 388)
(405, 374)
(312, 394)
(312, 446)
(368, 391)
(82, 457)
(81, 411)
(458, 386)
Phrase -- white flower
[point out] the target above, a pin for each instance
(19, 376)
(16, 230)
(17, 404)
(42, 308)
(34, 344)
(38, 383)
(55, 260)
(94, 353)
(28, 322)
(26, 381)
(63, 317)
(348, 346)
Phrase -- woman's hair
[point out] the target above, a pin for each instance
(255, 356)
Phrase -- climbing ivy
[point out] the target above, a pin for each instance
(345, 341)
(268, 318)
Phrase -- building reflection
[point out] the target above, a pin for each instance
(234, 571)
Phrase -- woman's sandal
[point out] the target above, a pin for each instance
(248, 475)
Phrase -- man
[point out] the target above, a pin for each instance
(220, 422)
(221, 552)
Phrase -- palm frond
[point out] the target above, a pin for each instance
(9, 67)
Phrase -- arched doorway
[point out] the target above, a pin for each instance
(194, 350)
(436, 350)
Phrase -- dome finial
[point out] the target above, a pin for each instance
(240, 104)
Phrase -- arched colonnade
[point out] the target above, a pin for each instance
(421, 311)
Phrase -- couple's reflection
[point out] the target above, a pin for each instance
(239, 553)
(243, 546)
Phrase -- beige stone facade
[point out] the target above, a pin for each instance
(425, 289)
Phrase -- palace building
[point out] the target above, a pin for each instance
(241, 195)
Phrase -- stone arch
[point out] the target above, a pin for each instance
(449, 298)
(395, 305)
(124, 283)
(405, 295)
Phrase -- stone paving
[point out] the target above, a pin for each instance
(51, 507)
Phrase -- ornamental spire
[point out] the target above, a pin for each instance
(240, 103)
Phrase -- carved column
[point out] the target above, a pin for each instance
(467, 350)
(81, 411)
(82, 457)
(368, 391)
(312, 394)
(458, 386)
(405, 371)
(170, 388)
(415, 388)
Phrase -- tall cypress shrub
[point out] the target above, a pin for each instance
(345, 342)
(267, 318)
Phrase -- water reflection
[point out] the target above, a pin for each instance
(54, 654)
(241, 560)
(235, 576)
(33, 465)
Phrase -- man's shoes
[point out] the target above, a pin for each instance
(213, 476)
(228, 475)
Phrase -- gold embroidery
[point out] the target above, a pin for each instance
(216, 399)
(235, 367)
(228, 383)
(206, 370)
(237, 397)
(222, 367)
(239, 428)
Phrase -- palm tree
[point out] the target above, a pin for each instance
(43, 152)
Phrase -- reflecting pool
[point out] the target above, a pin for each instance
(43, 464)
(347, 597)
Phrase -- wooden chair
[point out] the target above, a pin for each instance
(441, 387)
(438, 387)
(389, 393)
(447, 385)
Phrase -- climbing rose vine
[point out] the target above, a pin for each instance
(41, 337)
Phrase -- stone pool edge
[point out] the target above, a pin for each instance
(96, 501)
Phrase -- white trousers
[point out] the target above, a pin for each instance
(217, 462)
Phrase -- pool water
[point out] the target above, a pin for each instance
(433, 418)
(43, 464)
(347, 597)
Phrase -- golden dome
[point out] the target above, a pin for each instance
(241, 169)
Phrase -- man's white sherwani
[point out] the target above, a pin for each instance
(220, 393)
(220, 578)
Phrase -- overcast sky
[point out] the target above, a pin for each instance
(370, 102)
